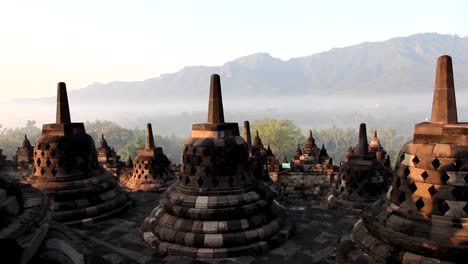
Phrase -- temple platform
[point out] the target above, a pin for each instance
(119, 240)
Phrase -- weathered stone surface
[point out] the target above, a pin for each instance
(67, 170)
(363, 176)
(422, 218)
(151, 168)
(217, 199)
(24, 220)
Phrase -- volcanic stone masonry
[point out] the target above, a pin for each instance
(24, 154)
(311, 175)
(107, 157)
(362, 178)
(67, 170)
(423, 218)
(151, 168)
(217, 208)
(24, 220)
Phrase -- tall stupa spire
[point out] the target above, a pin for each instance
(246, 132)
(63, 110)
(149, 137)
(215, 106)
(363, 144)
(444, 106)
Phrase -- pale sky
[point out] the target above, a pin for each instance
(81, 42)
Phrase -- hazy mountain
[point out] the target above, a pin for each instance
(398, 65)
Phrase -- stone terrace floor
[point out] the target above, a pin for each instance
(119, 240)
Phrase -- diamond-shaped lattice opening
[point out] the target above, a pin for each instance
(443, 207)
(207, 171)
(42, 171)
(458, 164)
(458, 193)
(47, 146)
(34, 170)
(38, 162)
(466, 178)
(187, 180)
(53, 153)
(466, 208)
(401, 197)
(231, 181)
(436, 163)
(187, 159)
(193, 171)
(406, 171)
(432, 190)
(402, 157)
(54, 171)
(200, 182)
(424, 175)
(42, 153)
(419, 203)
(199, 160)
(445, 177)
(415, 160)
(412, 187)
(194, 150)
(48, 162)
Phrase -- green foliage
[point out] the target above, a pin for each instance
(282, 135)
(127, 142)
(12, 138)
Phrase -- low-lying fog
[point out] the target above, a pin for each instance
(175, 117)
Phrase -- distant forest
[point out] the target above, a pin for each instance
(282, 136)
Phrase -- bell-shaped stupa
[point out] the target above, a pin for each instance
(217, 208)
(24, 220)
(66, 168)
(424, 216)
(362, 178)
(151, 168)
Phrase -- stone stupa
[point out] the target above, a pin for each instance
(151, 168)
(24, 220)
(217, 208)
(424, 216)
(66, 168)
(362, 178)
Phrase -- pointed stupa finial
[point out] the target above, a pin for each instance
(323, 145)
(102, 136)
(25, 137)
(63, 110)
(375, 134)
(444, 105)
(363, 144)
(285, 160)
(129, 162)
(310, 133)
(247, 136)
(257, 140)
(149, 137)
(215, 105)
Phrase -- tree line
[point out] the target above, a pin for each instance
(283, 136)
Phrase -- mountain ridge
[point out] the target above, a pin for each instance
(395, 66)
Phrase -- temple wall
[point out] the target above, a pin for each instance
(308, 185)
